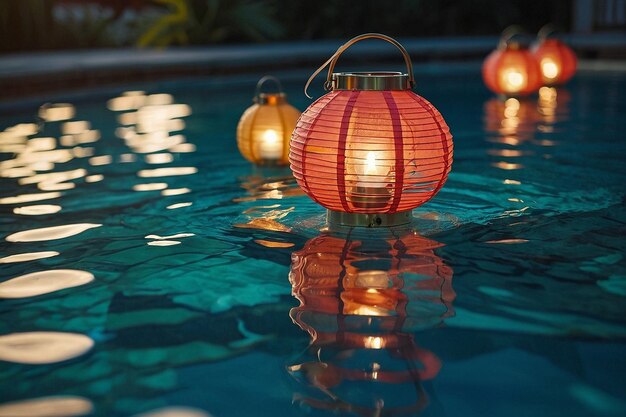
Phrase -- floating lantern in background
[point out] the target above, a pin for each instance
(511, 69)
(370, 150)
(556, 60)
(265, 127)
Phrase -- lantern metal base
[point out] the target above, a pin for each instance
(340, 218)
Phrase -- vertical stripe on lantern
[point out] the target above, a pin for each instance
(341, 148)
(399, 150)
(444, 142)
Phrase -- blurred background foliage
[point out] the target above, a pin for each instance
(66, 24)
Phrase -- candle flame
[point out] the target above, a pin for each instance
(549, 68)
(270, 137)
(370, 164)
(514, 80)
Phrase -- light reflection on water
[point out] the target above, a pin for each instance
(43, 282)
(58, 406)
(38, 348)
(50, 233)
(23, 257)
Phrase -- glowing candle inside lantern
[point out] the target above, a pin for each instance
(270, 147)
(371, 176)
(549, 68)
(371, 186)
(513, 80)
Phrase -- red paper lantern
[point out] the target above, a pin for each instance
(370, 146)
(511, 69)
(556, 60)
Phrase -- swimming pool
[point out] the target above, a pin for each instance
(190, 279)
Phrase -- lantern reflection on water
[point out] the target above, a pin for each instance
(361, 301)
(511, 120)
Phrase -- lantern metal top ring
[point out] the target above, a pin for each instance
(376, 81)
(269, 98)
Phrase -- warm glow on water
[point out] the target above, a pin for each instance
(176, 236)
(272, 244)
(94, 178)
(50, 233)
(38, 348)
(164, 243)
(100, 160)
(167, 172)
(159, 158)
(75, 127)
(57, 112)
(150, 187)
(174, 412)
(37, 210)
(179, 205)
(28, 198)
(52, 177)
(23, 257)
(507, 165)
(43, 282)
(57, 406)
(175, 191)
(183, 148)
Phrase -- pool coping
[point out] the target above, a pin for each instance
(25, 74)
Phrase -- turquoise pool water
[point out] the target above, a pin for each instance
(145, 265)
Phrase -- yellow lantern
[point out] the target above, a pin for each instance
(265, 128)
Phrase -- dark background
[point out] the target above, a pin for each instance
(28, 25)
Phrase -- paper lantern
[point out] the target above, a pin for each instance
(511, 69)
(362, 301)
(556, 60)
(265, 127)
(370, 150)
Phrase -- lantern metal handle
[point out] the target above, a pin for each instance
(546, 31)
(332, 61)
(508, 34)
(262, 81)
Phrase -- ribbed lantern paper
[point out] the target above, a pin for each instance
(265, 127)
(360, 150)
(556, 60)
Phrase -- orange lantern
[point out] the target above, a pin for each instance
(370, 150)
(556, 59)
(511, 69)
(361, 312)
(265, 127)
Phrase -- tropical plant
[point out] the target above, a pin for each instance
(211, 21)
